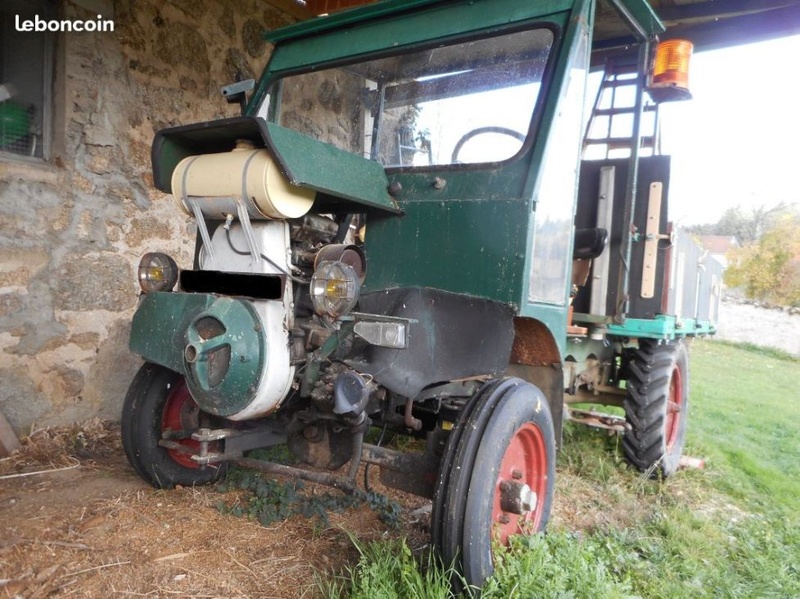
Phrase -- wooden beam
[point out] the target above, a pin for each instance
(741, 29)
(714, 10)
(291, 7)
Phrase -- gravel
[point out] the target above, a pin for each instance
(767, 327)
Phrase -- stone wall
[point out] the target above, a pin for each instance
(72, 230)
(321, 105)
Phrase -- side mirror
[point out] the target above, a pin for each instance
(236, 93)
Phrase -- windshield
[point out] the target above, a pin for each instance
(466, 102)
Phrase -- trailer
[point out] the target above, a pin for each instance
(419, 224)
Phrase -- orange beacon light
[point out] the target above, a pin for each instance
(670, 78)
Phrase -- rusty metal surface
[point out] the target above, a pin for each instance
(236, 442)
(604, 395)
(533, 344)
(396, 460)
(338, 482)
(412, 473)
(594, 419)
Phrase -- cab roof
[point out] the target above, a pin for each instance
(639, 12)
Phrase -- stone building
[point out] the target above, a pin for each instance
(77, 205)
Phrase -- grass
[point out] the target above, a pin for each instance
(747, 420)
(387, 570)
(730, 530)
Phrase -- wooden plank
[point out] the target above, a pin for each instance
(651, 239)
(8, 439)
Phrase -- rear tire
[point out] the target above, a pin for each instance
(656, 407)
(157, 400)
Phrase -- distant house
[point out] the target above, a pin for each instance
(718, 246)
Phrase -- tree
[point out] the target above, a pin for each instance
(769, 267)
(746, 225)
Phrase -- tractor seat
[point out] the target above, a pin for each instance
(589, 243)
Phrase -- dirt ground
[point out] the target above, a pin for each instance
(92, 528)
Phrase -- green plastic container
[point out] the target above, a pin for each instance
(14, 122)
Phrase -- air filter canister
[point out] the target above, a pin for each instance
(215, 181)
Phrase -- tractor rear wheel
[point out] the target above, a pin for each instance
(158, 401)
(656, 406)
(496, 478)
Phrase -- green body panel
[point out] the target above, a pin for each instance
(164, 326)
(168, 158)
(661, 327)
(158, 330)
(435, 22)
(475, 247)
(504, 181)
(326, 168)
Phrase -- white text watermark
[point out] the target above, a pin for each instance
(63, 25)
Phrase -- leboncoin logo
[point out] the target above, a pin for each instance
(38, 24)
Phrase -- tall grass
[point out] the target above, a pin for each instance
(731, 530)
(388, 570)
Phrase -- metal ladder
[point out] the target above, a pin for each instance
(609, 131)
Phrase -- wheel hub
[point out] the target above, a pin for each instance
(517, 498)
(674, 408)
(181, 414)
(521, 481)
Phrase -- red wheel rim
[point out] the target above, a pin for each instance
(524, 464)
(674, 408)
(181, 413)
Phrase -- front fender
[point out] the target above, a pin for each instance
(217, 343)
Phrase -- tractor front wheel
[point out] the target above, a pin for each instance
(496, 478)
(656, 406)
(158, 401)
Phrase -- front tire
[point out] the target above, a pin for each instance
(497, 476)
(158, 400)
(656, 407)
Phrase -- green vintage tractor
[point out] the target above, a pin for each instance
(414, 226)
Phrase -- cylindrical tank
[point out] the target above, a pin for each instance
(216, 178)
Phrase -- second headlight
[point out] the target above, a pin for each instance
(157, 272)
(334, 289)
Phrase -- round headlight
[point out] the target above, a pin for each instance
(157, 272)
(334, 289)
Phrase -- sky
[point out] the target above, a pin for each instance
(737, 142)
